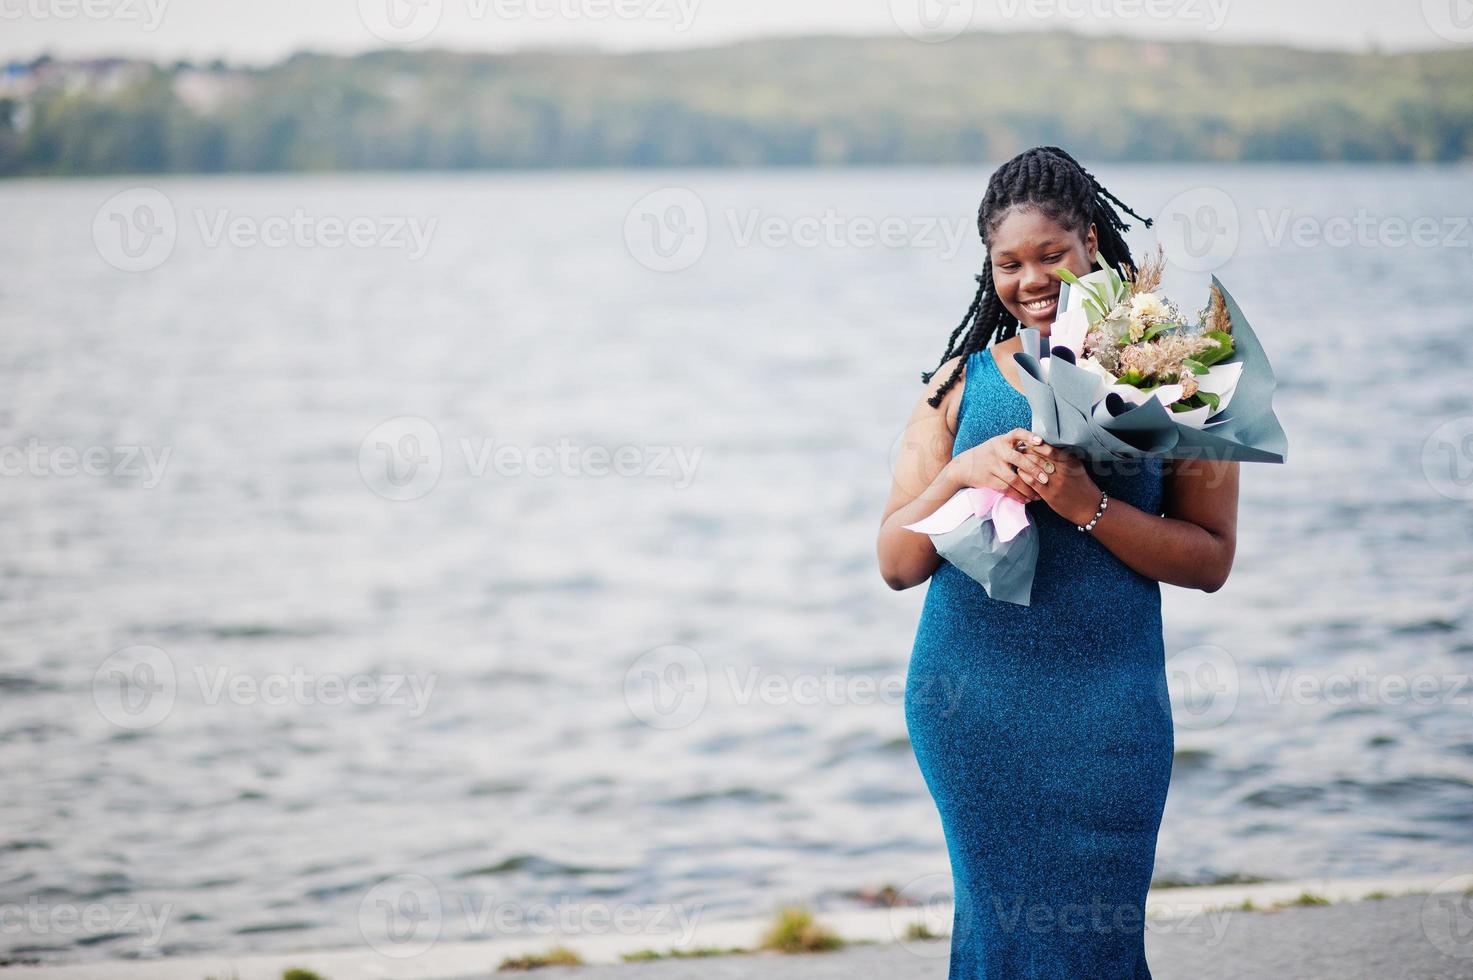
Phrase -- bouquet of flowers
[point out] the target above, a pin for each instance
(1139, 345)
(1125, 376)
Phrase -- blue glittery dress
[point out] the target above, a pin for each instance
(1044, 734)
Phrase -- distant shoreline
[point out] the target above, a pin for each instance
(770, 102)
(340, 176)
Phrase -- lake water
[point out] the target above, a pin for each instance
(524, 544)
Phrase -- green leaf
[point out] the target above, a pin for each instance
(1197, 367)
(1198, 400)
(1067, 276)
(1156, 328)
(1222, 351)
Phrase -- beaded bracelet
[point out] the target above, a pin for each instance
(1104, 502)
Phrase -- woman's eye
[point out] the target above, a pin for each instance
(1054, 258)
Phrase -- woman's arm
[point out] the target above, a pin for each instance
(1191, 544)
(922, 481)
(926, 475)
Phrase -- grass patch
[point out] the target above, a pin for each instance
(556, 956)
(673, 953)
(796, 931)
(1308, 898)
(919, 932)
(298, 973)
(1227, 879)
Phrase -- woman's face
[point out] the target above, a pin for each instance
(1026, 248)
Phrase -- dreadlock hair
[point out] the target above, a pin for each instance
(1053, 182)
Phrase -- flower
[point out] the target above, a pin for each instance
(1146, 309)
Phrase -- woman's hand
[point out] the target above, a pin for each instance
(1070, 491)
(1000, 465)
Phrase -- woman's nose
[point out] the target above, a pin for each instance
(1035, 278)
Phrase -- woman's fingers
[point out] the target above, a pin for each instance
(1016, 483)
(1031, 443)
(1031, 466)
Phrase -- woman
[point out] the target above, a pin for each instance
(1050, 771)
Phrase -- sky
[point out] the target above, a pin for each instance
(262, 31)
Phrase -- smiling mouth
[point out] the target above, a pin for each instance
(1038, 306)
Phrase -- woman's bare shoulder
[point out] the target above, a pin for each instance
(951, 400)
